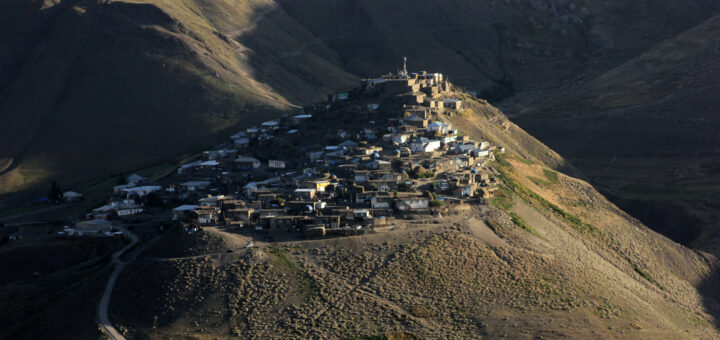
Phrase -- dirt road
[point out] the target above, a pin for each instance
(102, 312)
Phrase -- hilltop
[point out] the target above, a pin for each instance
(548, 257)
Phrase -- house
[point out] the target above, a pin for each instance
(379, 164)
(348, 144)
(465, 190)
(195, 185)
(208, 164)
(135, 178)
(213, 201)
(141, 191)
(400, 138)
(71, 196)
(239, 215)
(303, 207)
(185, 167)
(104, 212)
(453, 104)
(207, 215)
(412, 204)
(416, 121)
(268, 213)
(362, 214)
(425, 145)
(128, 209)
(93, 226)
(212, 155)
(361, 176)
(276, 164)
(183, 211)
(270, 125)
(439, 127)
(247, 162)
(381, 202)
(305, 193)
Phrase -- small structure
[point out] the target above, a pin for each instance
(276, 164)
(248, 162)
(305, 193)
(71, 196)
(412, 204)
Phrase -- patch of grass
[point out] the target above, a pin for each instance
(281, 258)
(305, 283)
(502, 199)
(646, 276)
(551, 176)
(436, 203)
(521, 223)
(524, 161)
(532, 197)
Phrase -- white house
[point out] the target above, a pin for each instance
(71, 196)
(276, 164)
(412, 204)
(141, 191)
(441, 127)
(425, 145)
(448, 139)
(400, 138)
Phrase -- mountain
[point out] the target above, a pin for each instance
(646, 133)
(103, 80)
(550, 258)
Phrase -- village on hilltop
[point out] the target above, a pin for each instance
(355, 163)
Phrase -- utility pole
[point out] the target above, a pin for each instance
(155, 318)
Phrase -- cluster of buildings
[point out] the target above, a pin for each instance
(354, 162)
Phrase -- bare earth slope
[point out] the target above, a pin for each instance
(551, 258)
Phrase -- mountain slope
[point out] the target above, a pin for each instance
(101, 80)
(552, 258)
(646, 132)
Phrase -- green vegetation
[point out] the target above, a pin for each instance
(530, 196)
(551, 178)
(502, 199)
(436, 203)
(305, 283)
(646, 275)
(524, 161)
(520, 223)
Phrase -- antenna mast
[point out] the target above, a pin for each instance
(405, 73)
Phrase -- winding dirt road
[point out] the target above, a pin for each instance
(102, 312)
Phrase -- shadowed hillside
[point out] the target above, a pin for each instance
(89, 86)
(646, 132)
